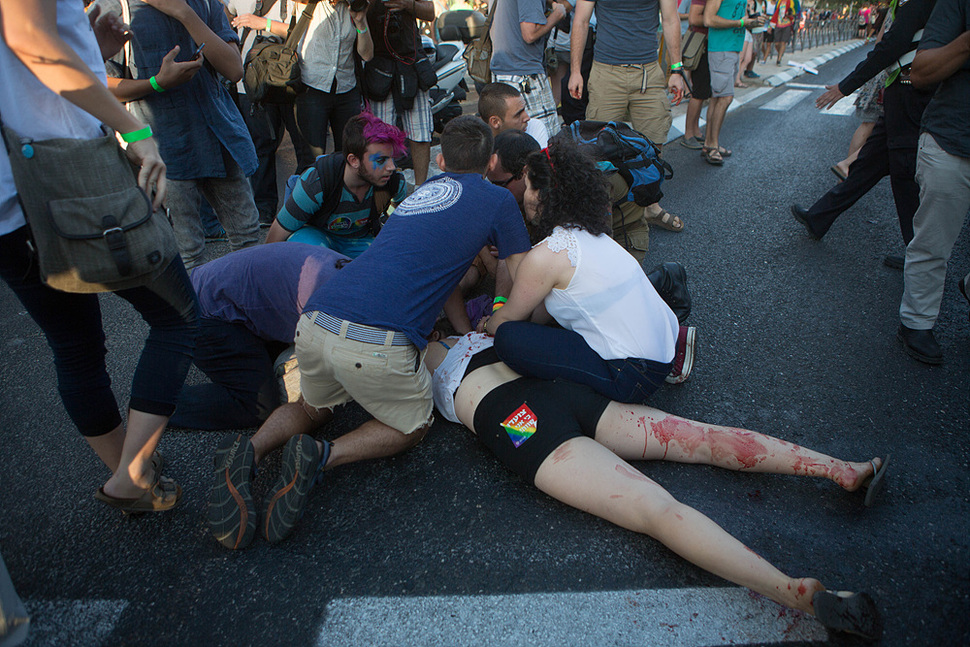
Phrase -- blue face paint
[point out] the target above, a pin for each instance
(378, 160)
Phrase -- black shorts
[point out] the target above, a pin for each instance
(525, 420)
(700, 80)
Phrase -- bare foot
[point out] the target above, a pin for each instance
(861, 473)
(798, 593)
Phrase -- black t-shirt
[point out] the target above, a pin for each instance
(947, 117)
(392, 32)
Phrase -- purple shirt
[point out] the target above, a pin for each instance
(265, 287)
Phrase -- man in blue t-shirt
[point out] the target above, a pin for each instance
(362, 335)
(249, 303)
(340, 201)
(943, 173)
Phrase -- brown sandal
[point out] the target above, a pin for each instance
(664, 220)
(164, 494)
(712, 156)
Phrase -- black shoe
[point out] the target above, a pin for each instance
(232, 513)
(963, 288)
(894, 261)
(921, 345)
(801, 215)
(670, 281)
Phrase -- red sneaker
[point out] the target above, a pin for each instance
(684, 355)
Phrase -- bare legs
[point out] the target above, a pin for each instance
(373, 439)
(421, 157)
(716, 110)
(585, 474)
(128, 454)
(643, 433)
(692, 123)
(859, 138)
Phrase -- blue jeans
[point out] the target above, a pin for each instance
(72, 324)
(243, 390)
(553, 353)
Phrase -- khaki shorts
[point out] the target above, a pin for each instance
(615, 95)
(390, 382)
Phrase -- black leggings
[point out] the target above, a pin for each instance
(525, 420)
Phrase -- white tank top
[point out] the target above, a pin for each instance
(610, 301)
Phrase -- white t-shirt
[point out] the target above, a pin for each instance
(275, 12)
(539, 132)
(447, 377)
(609, 300)
(33, 111)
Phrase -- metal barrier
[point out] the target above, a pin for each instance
(816, 33)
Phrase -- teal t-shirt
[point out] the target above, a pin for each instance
(731, 39)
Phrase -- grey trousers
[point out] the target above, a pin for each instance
(231, 198)
(944, 182)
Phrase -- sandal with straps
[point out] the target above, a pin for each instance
(664, 220)
(712, 156)
(164, 494)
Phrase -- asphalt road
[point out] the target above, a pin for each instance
(443, 546)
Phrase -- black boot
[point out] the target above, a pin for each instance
(670, 281)
(920, 345)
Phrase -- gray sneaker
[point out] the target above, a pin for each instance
(693, 143)
(285, 502)
(232, 512)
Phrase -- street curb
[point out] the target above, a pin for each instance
(786, 76)
(677, 127)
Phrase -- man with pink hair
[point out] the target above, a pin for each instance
(341, 200)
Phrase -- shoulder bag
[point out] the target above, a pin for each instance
(271, 72)
(478, 55)
(92, 226)
(695, 44)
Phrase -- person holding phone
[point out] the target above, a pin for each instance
(202, 136)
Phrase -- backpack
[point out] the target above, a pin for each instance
(271, 72)
(636, 158)
(330, 169)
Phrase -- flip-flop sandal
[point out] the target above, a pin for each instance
(875, 483)
(838, 172)
(709, 156)
(665, 220)
(853, 613)
(724, 152)
(164, 494)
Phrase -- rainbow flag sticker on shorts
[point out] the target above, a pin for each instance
(521, 425)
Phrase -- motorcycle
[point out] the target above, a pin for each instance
(453, 31)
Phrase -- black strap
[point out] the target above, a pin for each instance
(114, 236)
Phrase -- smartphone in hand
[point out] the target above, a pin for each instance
(198, 52)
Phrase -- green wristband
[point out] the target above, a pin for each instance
(500, 300)
(361, 31)
(155, 85)
(269, 25)
(742, 23)
(676, 66)
(137, 135)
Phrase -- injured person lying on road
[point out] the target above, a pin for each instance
(574, 444)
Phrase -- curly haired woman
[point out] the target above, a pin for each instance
(617, 336)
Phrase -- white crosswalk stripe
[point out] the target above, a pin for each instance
(843, 108)
(786, 100)
(674, 617)
(78, 623)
